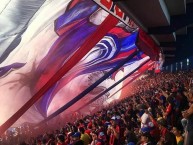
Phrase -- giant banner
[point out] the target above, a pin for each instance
(39, 37)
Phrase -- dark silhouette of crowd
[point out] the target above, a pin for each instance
(159, 111)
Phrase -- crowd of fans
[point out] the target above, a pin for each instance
(159, 112)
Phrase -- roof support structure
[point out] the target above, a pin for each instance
(176, 22)
(167, 44)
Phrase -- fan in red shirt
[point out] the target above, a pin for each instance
(61, 140)
(113, 131)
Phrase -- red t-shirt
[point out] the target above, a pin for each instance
(169, 109)
(61, 144)
(113, 140)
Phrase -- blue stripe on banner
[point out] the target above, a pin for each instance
(89, 89)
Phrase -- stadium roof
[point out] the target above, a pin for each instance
(169, 22)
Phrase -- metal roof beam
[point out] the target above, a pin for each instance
(177, 22)
(167, 44)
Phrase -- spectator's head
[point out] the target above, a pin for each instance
(108, 119)
(131, 137)
(145, 129)
(170, 99)
(177, 131)
(94, 125)
(129, 107)
(81, 130)
(62, 130)
(60, 138)
(69, 135)
(162, 123)
(81, 122)
(74, 128)
(149, 109)
(87, 131)
(113, 122)
(94, 135)
(159, 115)
(44, 141)
(101, 135)
(145, 137)
(89, 126)
(51, 136)
(76, 136)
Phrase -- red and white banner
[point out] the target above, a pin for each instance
(112, 8)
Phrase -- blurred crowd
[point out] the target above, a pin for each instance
(159, 112)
